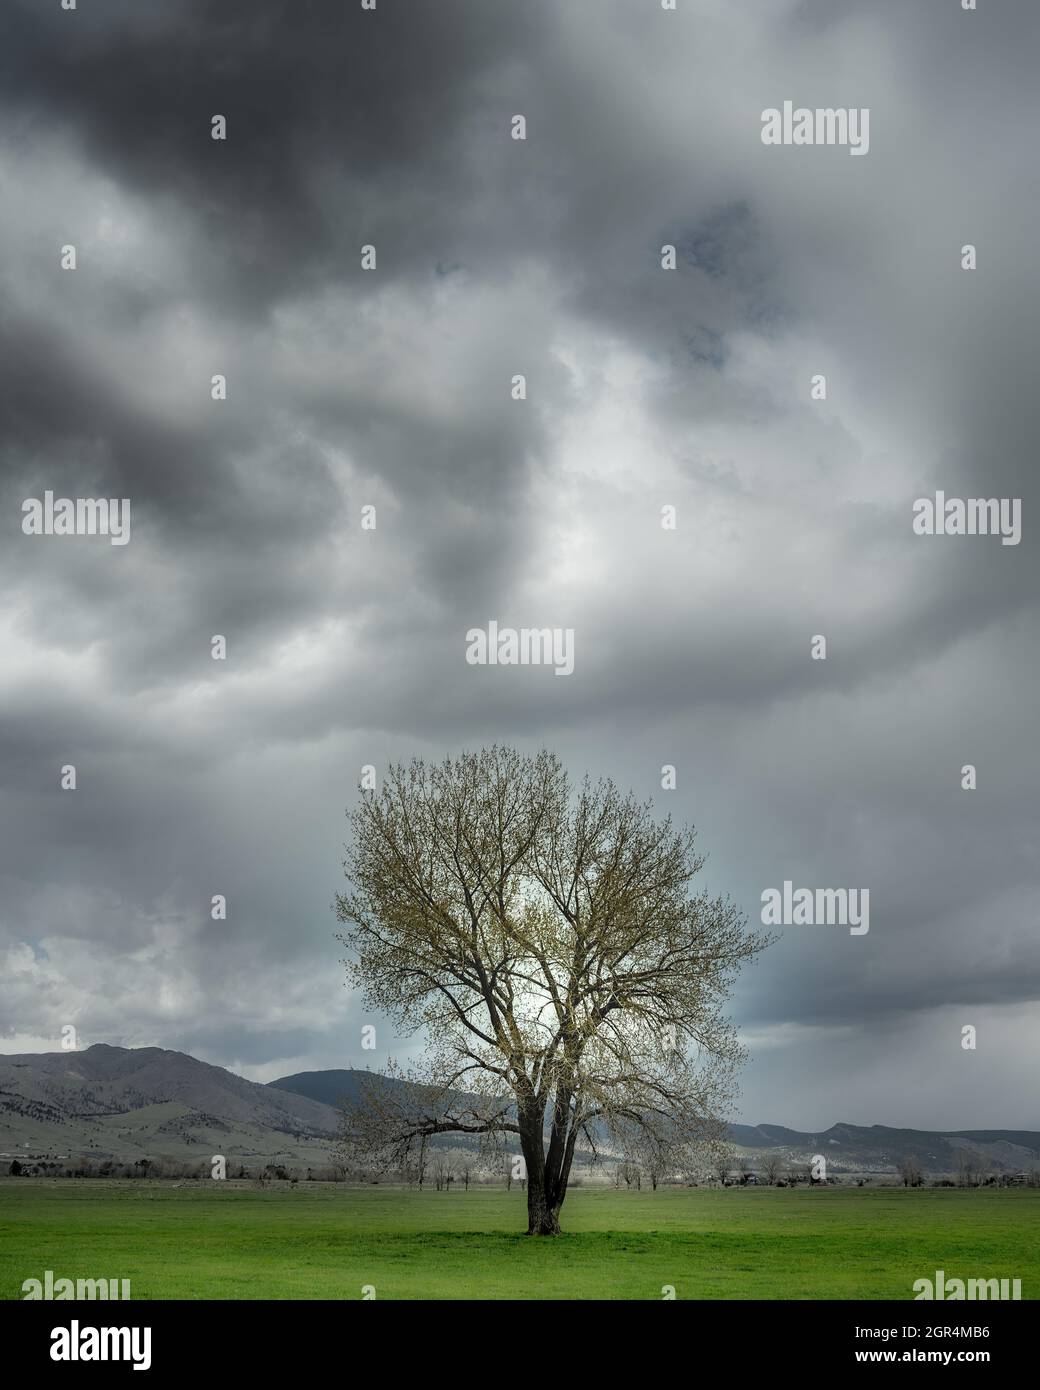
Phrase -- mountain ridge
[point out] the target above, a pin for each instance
(133, 1103)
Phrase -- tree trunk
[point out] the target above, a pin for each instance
(543, 1208)
(543, 1219)
(547, 1175)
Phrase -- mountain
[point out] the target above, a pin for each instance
(342, 1089)
(132, 1103)
(335, 1088)
(848, 1148)
(877, 1148)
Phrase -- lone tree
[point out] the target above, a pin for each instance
(545, 940)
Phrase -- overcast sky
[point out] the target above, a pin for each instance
(646, 388)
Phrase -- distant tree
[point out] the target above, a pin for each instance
(909, 1170)
(723, 1157)
(664, 1154)
(772, 1167)
(653, 1156)
(452, 1168)
(15, 1168)
(629, 1174)
(546, 941)
(971, 1168)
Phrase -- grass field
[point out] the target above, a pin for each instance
(227, 1240)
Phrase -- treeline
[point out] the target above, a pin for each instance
(167, 1168)
(452, 1171)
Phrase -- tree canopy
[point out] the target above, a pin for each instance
(546, 940)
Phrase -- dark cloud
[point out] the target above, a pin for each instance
(348, 388)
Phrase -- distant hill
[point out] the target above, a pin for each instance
(877, 1148)
(342, 1089)
(132, 1103)
(848, 1148)
(335, 1088)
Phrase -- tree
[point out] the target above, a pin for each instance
(722, 1157)
(660, 1155)
(910, 1171)
(772, 1167)
(452, 1168)
(971, 1168)
(652, 1158)
(441, 1170)
(546, 941)
(812, 1170)
(629, 1173)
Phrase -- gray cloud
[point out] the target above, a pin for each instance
(348, 388)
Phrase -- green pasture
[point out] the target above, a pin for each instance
(232, 1240)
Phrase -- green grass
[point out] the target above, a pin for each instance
(228, 1240)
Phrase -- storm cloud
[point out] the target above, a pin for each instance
(646, 388)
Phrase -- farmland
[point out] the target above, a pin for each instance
(230, 1240)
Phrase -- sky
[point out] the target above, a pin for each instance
(647, 388)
